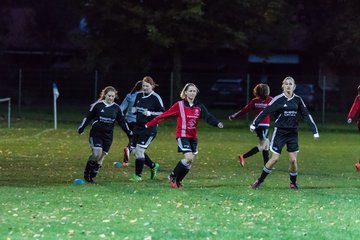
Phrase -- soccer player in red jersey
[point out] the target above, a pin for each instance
(188, 112)
(261, 92)
(355, 109)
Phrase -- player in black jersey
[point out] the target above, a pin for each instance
(148, 104)
(286, 107)
(103, 114)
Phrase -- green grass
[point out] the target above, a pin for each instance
(39, 201)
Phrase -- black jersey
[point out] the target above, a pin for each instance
(151, 102)
(286, 112)
(103, 117)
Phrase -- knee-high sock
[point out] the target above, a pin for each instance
(95, 170)
(139, 165)
(89, 165)
(264, 174)
(251, 152)
(180, 171)
(148, 161)
(293, 176)
(265, 154)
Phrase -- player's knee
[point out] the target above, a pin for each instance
(97, 155)
(292, 161)
(187, 162)
(139, 152)
(262, 146)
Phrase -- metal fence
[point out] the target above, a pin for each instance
(33, 87)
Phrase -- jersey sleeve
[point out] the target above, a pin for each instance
(125, 103)
(172, 111)
(122, 122)
(89, 117)
(307, 117)
(159, 109)
(273, 106)
(209, 118)
(354, 108)
(248, 108)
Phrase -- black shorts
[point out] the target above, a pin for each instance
(283, 136)
(187, 145)
(142, 140)
(131, 125)
(262, 132)
(101, 143)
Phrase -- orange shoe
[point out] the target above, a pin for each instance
(242, 160)
(172, 182)
(357, 167)
(126, 155)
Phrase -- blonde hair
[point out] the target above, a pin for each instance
(286, 79)
(182, 94)
(261, 90)
(106, 90)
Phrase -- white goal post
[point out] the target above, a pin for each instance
(9, 108)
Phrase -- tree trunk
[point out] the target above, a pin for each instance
(177, 66)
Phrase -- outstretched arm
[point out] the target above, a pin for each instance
(86, 120)
(354, 109)
(209, 118)
(172, 111)
(308, 119)
(248, 108)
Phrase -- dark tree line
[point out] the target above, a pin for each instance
(128, 33)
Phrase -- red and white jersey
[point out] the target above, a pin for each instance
(187, 118)
(256, 105)
(354, 108)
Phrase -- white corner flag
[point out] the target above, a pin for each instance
(55, 96)
(55, 91)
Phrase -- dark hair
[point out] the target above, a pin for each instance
(358, 89)
(136, 87)
(106, 90)
(261, 90)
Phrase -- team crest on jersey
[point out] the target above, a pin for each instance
(197, 112)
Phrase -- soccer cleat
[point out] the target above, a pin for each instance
(293, 186)
(135, 178)
(357, 165)
(172, 182)
(126, 155)
(125, 164)
(179, 184)
(256, 184)
(242, 160)
(154, 171)
(88, 178)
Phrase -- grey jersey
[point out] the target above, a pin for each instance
(286, 111)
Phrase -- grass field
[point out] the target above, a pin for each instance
(39, 201)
